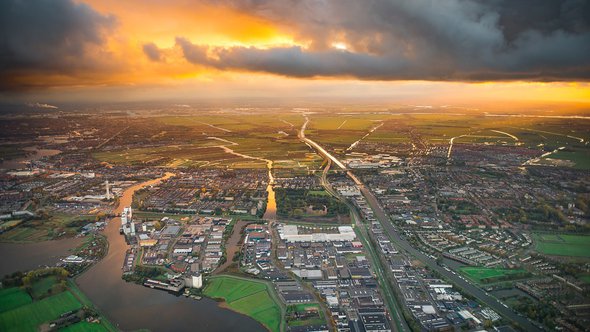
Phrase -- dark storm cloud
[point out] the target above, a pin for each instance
(193, 53)
(48, 36)
(417, 39)
(152, 52)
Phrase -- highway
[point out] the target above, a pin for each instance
(467, 287)
(400, 323)
(325, 153)
(383, 218)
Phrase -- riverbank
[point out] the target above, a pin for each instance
(131, 307)
(254, 298)
(28, 256)
(47, 298)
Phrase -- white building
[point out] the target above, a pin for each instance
(290, 233)
(127, 221)
(194, 281)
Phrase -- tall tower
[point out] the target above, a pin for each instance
(108, 193)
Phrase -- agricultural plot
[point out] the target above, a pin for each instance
(485, 275)
(29, 316)
(12, 298)
(563, 245)
(19, 312)
(249, 297)
(253, 135)
(578, 156)
(46, 229)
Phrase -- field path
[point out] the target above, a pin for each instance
(507, 134)
(362, 138)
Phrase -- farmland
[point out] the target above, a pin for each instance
(203, 141)
(49, 228)
(28, 317)
(563, 245)
(13, 298)
(19, 312)
(188, 141)
(488, 275)
(249, 297)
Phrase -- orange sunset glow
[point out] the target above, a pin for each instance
(192, 49)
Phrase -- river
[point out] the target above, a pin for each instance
(130, 306)
(33, 153)
(271, 204)
(28, 256)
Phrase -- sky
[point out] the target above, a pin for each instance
(430, 51)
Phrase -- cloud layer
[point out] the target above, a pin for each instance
(416, 39)
(49, 36)
(54, 43)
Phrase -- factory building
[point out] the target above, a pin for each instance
(290, 233)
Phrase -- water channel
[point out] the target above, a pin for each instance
(130, 306)
(33, 153)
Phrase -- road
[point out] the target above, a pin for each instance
(325, 153)
(110, 138)
(383, 218)
(395, 311)
(461, 283)
(400, 322)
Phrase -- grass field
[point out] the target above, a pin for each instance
(42, 286)
(563, 245)
(12, 298)
(29, 316)
(580, 157)
(18, 311)
(46, 229)
(487, 275)
(85, 327)
(585, 278)
(249, 297)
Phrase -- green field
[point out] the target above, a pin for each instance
(18, 311)
(580, 157)
(563, 245)
(249, 297)
(54, 226)
(585, 278)
(488, 274)
(28, 317)
(199, 142)
(85, 327)
(41, 287)
(12, 298)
